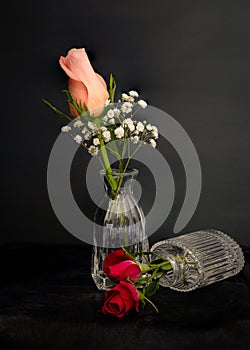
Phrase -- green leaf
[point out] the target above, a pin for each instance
(152, 288)
(141, 282)
(127, 251)
(74, 102)
(166, 267)
(144, 268)
(143, 303)
(154, 273)
(141, 295)
(111, 80)
(56, 110)
(159, 274)
(69, 97)
(112, 88)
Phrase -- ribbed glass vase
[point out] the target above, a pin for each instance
(119, 222)
(199, 259)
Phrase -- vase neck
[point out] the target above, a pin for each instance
(121, 184)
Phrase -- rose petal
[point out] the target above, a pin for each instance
(114, 258)
(117, 304)
(77, 66)
(121, 299)
(114, 303)
(102, 81)
(133, 292)
(125, 270)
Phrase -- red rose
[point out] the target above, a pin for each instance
(124, 271)
(121, 299)
(116, 257)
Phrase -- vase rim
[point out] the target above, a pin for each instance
(116, 172)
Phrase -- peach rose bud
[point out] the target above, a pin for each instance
(84, 85)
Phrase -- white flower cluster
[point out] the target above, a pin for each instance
(132, 97)
(117, 123)
(139, 131)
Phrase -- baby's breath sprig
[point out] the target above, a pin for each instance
(112, 132)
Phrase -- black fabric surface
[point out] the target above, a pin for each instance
(49, 301)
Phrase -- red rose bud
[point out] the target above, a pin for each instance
(116, 257)
(121, 299)
(124, 271)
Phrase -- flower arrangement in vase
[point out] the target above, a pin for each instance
(107, 128)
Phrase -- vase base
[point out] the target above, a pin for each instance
(102, 282)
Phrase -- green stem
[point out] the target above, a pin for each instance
(108, 170)
(145, 258)
(150, 302)
(125, 168)
(117, 155)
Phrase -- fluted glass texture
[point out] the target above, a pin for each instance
(199, 259)
(118, 222)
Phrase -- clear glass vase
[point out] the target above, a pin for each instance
(199, 259)
(119, 222)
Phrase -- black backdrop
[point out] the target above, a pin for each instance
(188, 58)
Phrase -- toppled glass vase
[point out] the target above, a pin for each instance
(199, 259)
